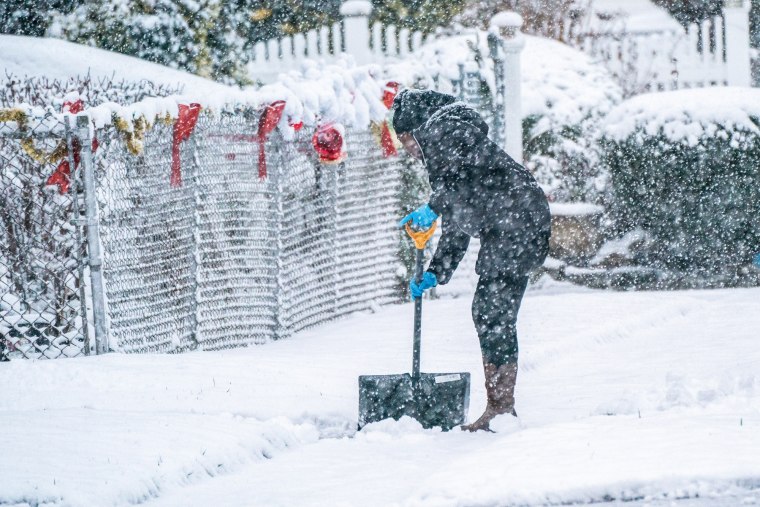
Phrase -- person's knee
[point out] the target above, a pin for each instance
(499, 354)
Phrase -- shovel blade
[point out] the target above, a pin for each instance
(434, 399)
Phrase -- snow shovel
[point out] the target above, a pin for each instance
(433, 399)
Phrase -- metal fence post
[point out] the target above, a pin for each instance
(337, 172)
(77, 220)
(194, 179)
(275, 178)
(94, 256)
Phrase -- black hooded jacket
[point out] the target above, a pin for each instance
(480, 191)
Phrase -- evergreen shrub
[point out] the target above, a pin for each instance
(685, 167)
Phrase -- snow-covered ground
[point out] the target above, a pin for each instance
(646, 396)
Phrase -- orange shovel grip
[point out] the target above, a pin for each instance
(420, 238)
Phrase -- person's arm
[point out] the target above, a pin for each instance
(449, 252)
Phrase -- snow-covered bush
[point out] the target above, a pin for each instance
(565, 96)
(685, 166)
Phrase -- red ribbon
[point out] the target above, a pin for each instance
(267, 123)
(386, 142)
(386, 139)
(389, 93)
(183, 128)
(62, 174)
(73, 107)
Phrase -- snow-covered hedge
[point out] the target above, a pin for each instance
(685, 166)
(46, 93)
(565, 96)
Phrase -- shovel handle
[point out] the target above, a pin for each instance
(419, 265)
(420, 239)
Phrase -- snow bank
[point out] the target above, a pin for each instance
(160, 453)
(686, 116)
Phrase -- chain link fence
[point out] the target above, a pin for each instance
(42, 252)
(224, 259)
(230, 259)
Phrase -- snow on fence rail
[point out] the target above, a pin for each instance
(224, 259)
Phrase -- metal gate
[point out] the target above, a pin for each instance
(42, 295)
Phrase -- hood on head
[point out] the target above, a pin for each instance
(453, 132)
(412, 108)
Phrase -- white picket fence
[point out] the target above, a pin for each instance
(366, 43)
(713, 53)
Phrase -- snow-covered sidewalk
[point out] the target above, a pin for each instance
(620, 396)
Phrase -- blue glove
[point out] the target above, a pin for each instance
(428, 282)
(756, 260)
(422, 218)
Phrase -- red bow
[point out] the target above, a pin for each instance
(62, 174)
(389, 93)
(73, 107)
(183, 128)
(267, 123)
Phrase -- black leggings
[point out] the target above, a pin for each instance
(494, 312)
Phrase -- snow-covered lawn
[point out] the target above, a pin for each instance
(620, 396)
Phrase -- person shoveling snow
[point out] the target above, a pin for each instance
(479, 191)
